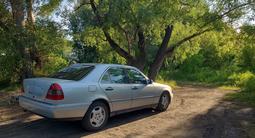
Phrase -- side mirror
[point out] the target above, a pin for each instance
(149, 81)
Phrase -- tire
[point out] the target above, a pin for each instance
(164, 102)
(96, 117)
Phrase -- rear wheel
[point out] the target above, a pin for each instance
(164, 102)
(96, 117)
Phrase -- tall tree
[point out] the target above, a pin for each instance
(131, 27)
(18, 12)
(25, 41)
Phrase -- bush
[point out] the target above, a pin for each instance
(248, 57)
(240, 79)
(201, 75)
(249, 86)
(54, 63)
(244, 97)
(247, 95)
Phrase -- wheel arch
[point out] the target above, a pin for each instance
(169, 91)
(103, 101)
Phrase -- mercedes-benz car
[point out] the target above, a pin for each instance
(93, 93)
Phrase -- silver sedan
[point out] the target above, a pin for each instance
(93, 93)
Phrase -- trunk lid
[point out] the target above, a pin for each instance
(37, 88)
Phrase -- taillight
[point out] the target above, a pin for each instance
(55, 92)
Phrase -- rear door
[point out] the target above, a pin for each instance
(115, 84)
(142, 93)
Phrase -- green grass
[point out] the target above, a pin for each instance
(11, 87)
(226, 87)
(243, 97)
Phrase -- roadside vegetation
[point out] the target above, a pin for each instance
(207, 42)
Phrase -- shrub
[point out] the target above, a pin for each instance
(54, 63)
(249, 86)
(247, 95)
(240, 79)
(248, 57)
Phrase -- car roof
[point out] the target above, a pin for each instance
(101, 64)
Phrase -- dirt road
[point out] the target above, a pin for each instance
(195, 112)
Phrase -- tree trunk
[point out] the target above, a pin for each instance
(164, 52)
(18, 8)
(34, 54)
(30, 14)
(142, 55)
(161, 54)
(18, 12)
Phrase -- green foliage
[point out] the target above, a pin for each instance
(247, 94)
(49, 6)
(249, 86)
(202, 75)
(122, 19)
(217, 57)
(54, 53)
(8, 51)
(243, 97)
(248, 57)
(240, 79)
(85, 54)
(53, 64)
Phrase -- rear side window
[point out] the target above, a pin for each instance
(106, 78)
(115, 75)
(73, 73)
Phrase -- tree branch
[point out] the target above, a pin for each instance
(117, 48)
(224, 14)
(127, 37)
(165, 41)
(84, 2)
(112, 43)
(229, 11)
(175, 45)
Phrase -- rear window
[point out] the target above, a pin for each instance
(73, 73)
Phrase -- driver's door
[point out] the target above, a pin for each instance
(142, 93)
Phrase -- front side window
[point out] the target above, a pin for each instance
(135, 77)
(115, 75)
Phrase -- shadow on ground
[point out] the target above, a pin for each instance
(195, 112)
(52, 128)
(225, 120)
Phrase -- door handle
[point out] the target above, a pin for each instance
(109, 89)
(134, 88)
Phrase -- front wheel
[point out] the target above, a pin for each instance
(96, 117)
(164, 102)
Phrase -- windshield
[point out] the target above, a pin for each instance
(73, 73)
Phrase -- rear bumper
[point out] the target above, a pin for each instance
(55, 111)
